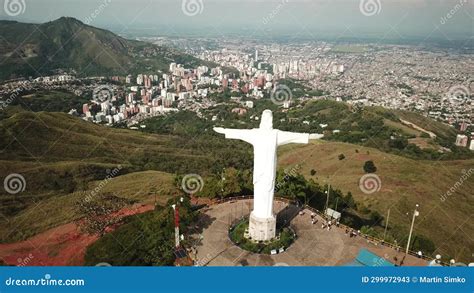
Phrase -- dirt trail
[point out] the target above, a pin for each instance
(431, 134)
(64, 245)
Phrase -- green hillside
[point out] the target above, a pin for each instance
(59, 154)
(63, 158)
(67, 43)
(374, 127)
(56, 209)
(404, 183)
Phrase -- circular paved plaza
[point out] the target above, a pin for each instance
(314, 245)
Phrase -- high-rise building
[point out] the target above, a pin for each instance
(146, 99)
(147, 82)
(461, 140)
(172, 67)
(130, 98)
(463, 126)
(256, 55)
(140, 79)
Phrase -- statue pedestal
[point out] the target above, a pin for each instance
(262, 229)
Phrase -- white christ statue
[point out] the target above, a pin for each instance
(265, 141)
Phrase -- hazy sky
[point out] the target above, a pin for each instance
(451, 19)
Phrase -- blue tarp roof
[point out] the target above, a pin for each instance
(366, 258)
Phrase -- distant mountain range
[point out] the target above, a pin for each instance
(37, 49)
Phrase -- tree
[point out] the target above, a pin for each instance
(246, 181)
(421, 242)
(341, 157)
(151, 235)
(313, 172)
(350, 200)
(398, 143)
(369, 167)
(231, 183)
(212, 187)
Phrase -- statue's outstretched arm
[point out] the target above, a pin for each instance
(242, 134)
(316, 136)
(285, 137)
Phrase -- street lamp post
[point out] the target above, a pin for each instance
(386, 225)
(327, 198)
(415, 214)
(223, 181)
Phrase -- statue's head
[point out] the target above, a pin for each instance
(267, 120)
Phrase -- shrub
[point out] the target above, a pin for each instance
(369, 167)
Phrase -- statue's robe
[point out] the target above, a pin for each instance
(265, 143)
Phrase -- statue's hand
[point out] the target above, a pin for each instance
(316, 136)
(219, 130)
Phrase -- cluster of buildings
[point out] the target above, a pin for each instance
(462, 141)
(435, 82)
(146, 96)
(431, 82)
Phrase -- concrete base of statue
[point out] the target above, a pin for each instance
(262, 229)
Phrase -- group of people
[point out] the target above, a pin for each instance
(325, 225)
(328, 225)
(313, 219)
(352, 232)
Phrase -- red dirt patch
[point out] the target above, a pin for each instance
(64, 245)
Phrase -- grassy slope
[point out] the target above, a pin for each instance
(57, 210)
(440, 129)
(60, 137)
(59, 155)
(405, 182)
